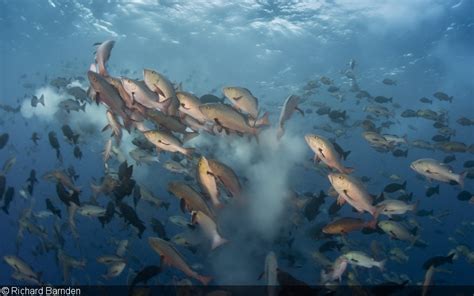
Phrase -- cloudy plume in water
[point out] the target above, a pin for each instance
(252, 229)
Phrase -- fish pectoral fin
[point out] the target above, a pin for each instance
(347, 195)
(159, 91)
(321, 151)
(316, 159)
(299, 110)
(237, 98)
(261, 275)
(340, 200)
(164, 143)
(184, 107)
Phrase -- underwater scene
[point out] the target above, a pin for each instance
(173, 147)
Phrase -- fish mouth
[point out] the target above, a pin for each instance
(330, 177)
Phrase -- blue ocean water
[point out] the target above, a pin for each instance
(273, 48)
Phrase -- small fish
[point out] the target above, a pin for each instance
(146, 274)
(158, 228)
(440, 138)
(53, 141)
(400, 153)
(77, 152)
(363, 260)
(442, 96)
(449, 158)
(35, 101)
(382, 99)
(50, 206)
(4, 140)
(388, 81)
(34, 138)
(72, 105)
(432, 169)
(464, 195)
(430, 191)
(426, 100)
(172, 257)
(438, 261)
(9, 194)
(394, 187)
(468, 164)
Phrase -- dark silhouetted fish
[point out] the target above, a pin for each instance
(137, 195)
(69, 134)
(130, 217)
(464, 195)
(469, 164)
(34, 101)
(438, 261)
(146, 274)
(50, 206)
(400, 153)
(330, 246)
(67, 197)
(109, 214)
(449, 158)
(31, 181)
(432, 191)
(53, 141)
(3, 184)
(312, 208)
(35, 138)
(209, 98)
(4, 140)
(158, 228)
(9, 194)
(394, 187)
(77, 152)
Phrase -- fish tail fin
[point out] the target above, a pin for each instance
(189, 152)
(280, 132)
(405, 153)
(102, 70)
(41, 100)
(165, 205)
(83, 107)
(415, 205)
(218, 241)
(372, 223)
(264, 120)
(381, 264)
(127, 123)
(404, 185)
(348, 170)
(205, 280)
(106, 127)
(189, 136)
(460, 179)
(451, 99)
(345, 154)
